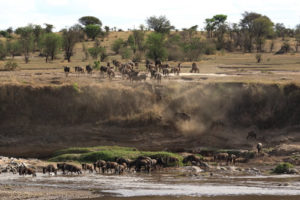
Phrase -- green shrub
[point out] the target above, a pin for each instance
(283, 168)
(108, 153)
(126, 53)
(10, 66)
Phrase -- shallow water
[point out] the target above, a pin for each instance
(169, 186)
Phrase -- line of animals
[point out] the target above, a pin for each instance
(142, 163)
(157, 70)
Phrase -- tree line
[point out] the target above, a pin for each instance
(159, 40)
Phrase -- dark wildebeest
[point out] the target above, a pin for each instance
(88, 69)
(110, 72)
(221, 157)
(143, 162)
(231, 159)
(79, 69)
(259, 147)
(157, 63)
(195, 68)
(66, 70)
(101, 164)
(251, 134)
(158, 76)
(69, 168)
(49, 169)
(111, 167)
(86, 167)
(23, 170)
(192, 159)
(165, 71)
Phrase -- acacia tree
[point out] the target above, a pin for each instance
(159, 24)
(136, 40)
(88, 20)
(247, 26)
(155, 46)
(70, 37)
(13, 48)
(92, 31)
(262, 28)
(51, 43)
(26, 40)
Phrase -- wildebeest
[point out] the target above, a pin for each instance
(101, 164)
(66, 70)
(110, 72)
(195, 68)
(259, 147)
(23, 170)
(49, 169)
(88, 69)
(251, 134)
(111, 167)
(69, 168)
(192, 159)
(86, 167)
(165, 71)
(79, 69)
(221, 157)
(157, 76)
(231, 159)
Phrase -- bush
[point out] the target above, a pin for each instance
(2, 51)
(10, 66)
(283, 168)
(117, 45)
(258, 57)
(126, 53)
(137, 57)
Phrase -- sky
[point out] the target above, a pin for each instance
(126, 14)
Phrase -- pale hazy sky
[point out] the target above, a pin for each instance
(129, 13)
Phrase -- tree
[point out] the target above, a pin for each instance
(51, 43)
(280, 30)
(2, 50)
(159, 24)
(37, 31)
(247, 29)
(9, 30)
(262, 28)
(155, 46)
(88, 20)
(26, 40)
(210, 27)
(136, 40)
(117, 45)
(48, 28)
(13, 48)
(92, 31)
(95, 52)
(70, 37)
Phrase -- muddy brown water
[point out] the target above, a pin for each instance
(168, 186)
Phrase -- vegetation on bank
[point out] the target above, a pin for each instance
(159, 40)
(283, 168)
(108, 153)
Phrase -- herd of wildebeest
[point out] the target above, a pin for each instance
(130, 70)
(142, 163)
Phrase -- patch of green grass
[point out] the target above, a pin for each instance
(283, 168)
(108, 153)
